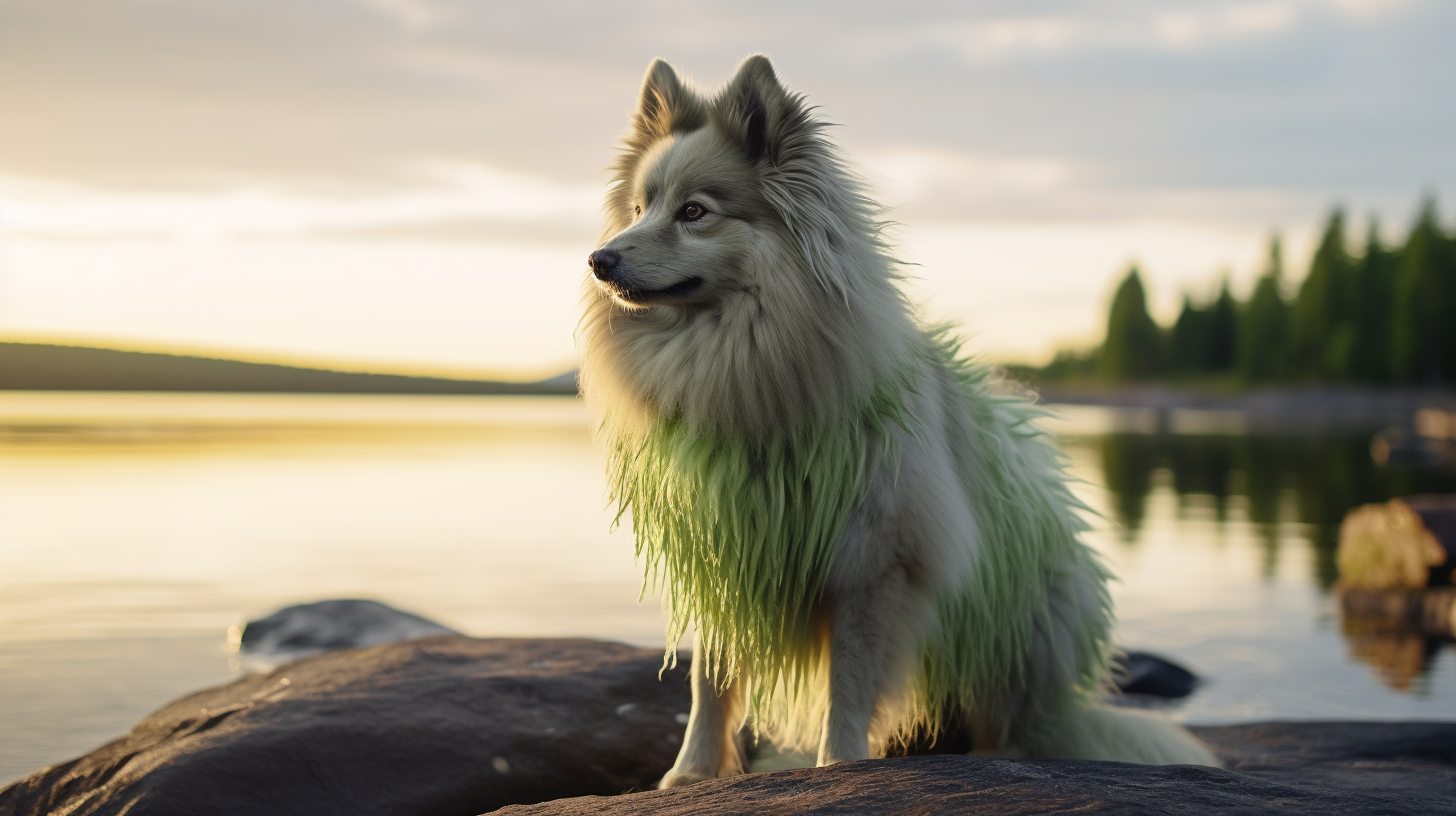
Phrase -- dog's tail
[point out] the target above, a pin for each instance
(1117, 735)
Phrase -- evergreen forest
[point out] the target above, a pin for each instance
(1364, 313)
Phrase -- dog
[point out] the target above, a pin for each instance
(870, 538)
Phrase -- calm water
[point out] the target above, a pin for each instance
(134, 529)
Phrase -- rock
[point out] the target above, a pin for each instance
(1417, 758)
(454, 726)
(1395, 594)
(1386, 547)
(341, 624)
(1438, 514)
(1146, 673)
(443, 725)
(976, 785)
(1402, 446)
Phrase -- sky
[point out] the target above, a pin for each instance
(415, 184)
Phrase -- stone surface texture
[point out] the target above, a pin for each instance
(950, 785)
(445, 725)
(1411, 757)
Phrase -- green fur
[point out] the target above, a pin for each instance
(1030, 530)
(738, 534)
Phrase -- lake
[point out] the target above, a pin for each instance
(136, 528)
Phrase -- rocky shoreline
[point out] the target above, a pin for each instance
(1307, 409)
(449, 725)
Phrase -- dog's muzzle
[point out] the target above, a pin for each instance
(603, 262)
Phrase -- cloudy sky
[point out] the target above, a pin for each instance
(415, 183)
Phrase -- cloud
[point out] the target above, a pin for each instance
(356, 94)
(1368, 9)
(1103, 27)
(1193, 29)
(992, 39)
(413, 15)
(455, 193)
(912, 171)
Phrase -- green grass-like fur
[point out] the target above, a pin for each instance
(1030, 529)
(737, 536)
(737, 533)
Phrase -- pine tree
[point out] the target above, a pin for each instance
(1374, 294)
(1188, 343)
(1223, 330)
(1263, 331)
(1133, 349)
(1423, 319)
(1203, 339)
(1321, 325)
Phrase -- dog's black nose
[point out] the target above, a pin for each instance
(602, 262)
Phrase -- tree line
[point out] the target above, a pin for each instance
(1377, 314)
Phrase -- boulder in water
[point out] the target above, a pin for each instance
(347, 623)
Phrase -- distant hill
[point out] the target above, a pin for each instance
(45, 367)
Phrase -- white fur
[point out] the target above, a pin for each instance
(795, 318)
(1117, 735)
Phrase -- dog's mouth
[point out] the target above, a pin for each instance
(681, 289)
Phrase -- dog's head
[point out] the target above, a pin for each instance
(742, 283)
(706, 190)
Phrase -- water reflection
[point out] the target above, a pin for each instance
(1269, 484)
(134, 529)
(1399, 655)
(1263, 478)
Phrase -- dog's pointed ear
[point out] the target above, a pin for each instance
(666, 103)
(756, 109)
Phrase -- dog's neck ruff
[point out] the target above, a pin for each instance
(737, 533)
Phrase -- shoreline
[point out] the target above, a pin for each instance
(1317, 408)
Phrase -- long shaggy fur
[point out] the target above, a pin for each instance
(831, 494)
(737, 533)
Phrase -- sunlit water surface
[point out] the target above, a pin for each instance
(136, 528)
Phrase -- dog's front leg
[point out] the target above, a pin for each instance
(871, 627)
(853, 683)
(710, 747)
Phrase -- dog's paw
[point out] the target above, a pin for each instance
(676, 778)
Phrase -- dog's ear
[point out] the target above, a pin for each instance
(666, 104)
(759, 112)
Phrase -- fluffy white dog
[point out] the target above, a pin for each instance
(869, 539)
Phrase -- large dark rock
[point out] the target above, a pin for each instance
(947, 785)
(454, 726)
(442, 725)
(1412, 757)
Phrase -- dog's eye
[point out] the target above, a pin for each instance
(692, 211)
(637, 210)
